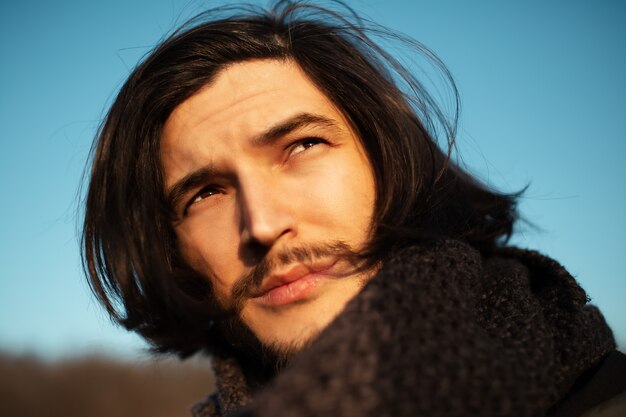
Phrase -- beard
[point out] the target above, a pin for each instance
(270, 357)
(262, 359)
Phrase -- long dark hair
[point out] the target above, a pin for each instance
(130, 254)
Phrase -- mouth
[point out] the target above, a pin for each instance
(294, 284)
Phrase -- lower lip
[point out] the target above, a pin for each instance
(291, 292)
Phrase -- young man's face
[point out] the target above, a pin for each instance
(271, 186)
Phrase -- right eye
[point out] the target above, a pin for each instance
(203, 194)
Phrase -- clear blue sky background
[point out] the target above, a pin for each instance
(543, 87)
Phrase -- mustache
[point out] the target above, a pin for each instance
(251, 281)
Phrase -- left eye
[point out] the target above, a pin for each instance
(304, 144)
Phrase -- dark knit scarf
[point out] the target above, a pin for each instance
(440, 331)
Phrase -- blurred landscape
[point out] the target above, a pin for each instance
(98, 386)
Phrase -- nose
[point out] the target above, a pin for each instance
(265, 211)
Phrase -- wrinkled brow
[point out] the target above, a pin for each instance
(191, 181)
(198, 177)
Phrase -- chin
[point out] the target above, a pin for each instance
(293, 327)
(290, 334)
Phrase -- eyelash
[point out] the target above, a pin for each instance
(199, 196)
(302, 142)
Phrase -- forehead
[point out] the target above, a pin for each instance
(244, 99)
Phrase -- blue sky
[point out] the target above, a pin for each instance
(543, 93)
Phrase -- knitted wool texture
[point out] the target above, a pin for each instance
(439, 331)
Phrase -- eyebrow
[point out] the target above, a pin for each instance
(287, 126)
(189, 182)
(200, 176)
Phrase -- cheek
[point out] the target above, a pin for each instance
(342, 198)
(211, 249)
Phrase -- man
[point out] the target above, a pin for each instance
(263, 190)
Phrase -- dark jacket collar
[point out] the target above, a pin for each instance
(441, 330)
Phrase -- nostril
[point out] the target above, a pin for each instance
(255, 250)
